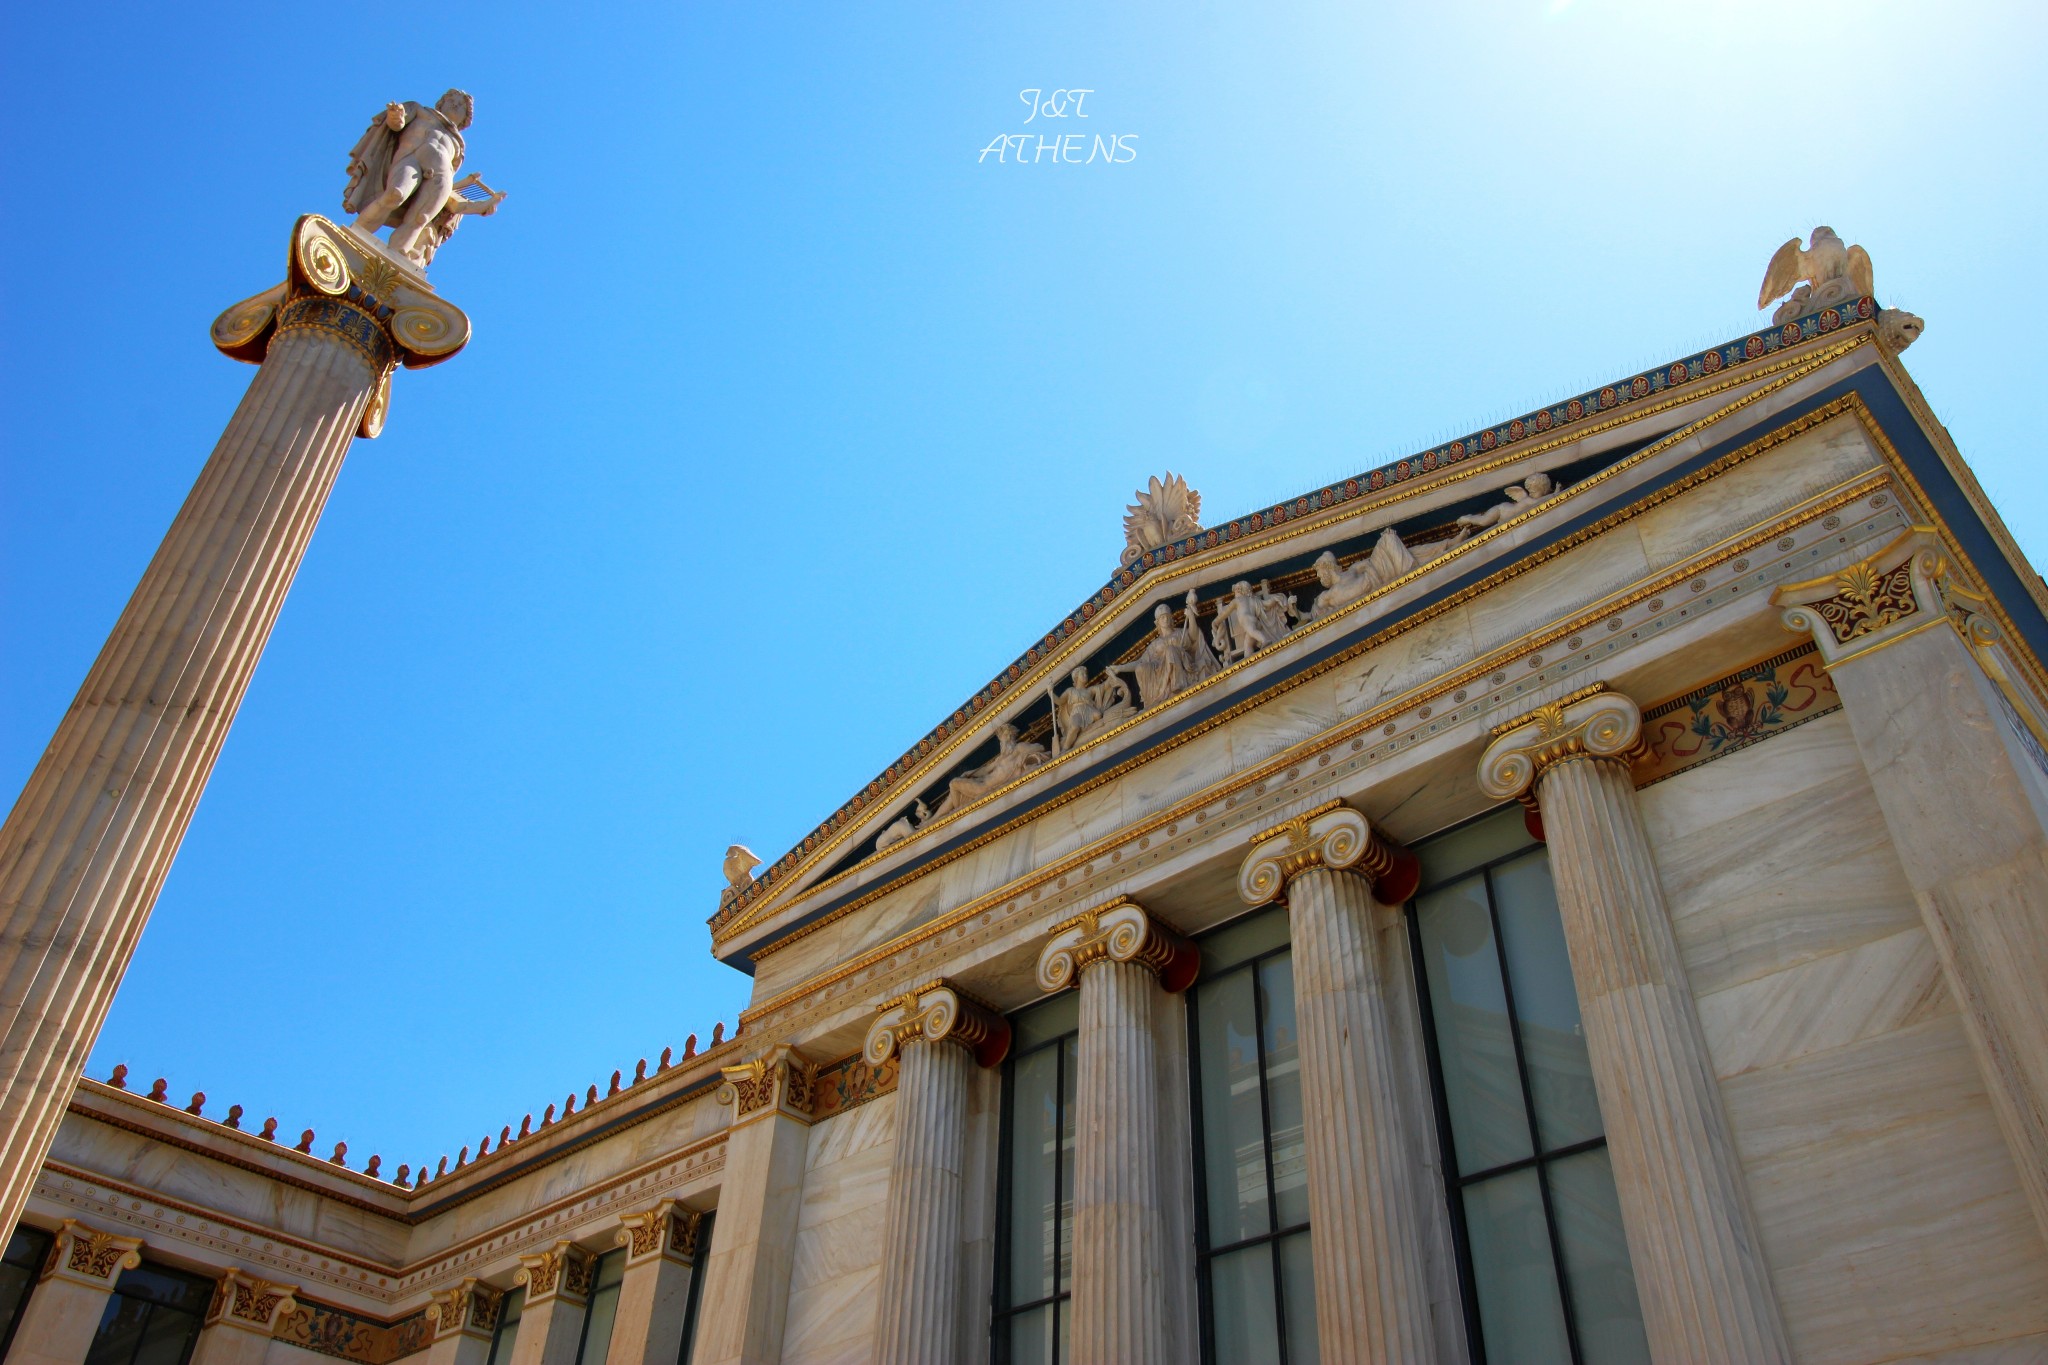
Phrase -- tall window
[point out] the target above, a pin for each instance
(1545, 1271)
(697, 1271)
(152, 1317)
(603, 1309)
(18, 1270)
(508, 1327)
(1035, 1207)
(1252, 1210)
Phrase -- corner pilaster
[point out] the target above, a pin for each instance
(557, 1294)
(654, 1297)
(1956, 747)
(241, 1321)
(746, 1294)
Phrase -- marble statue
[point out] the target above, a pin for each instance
(1014, 757)
(1343, 585)
(1827, 273)
(401, 174)
(1164, 512)
(1533, 489)
(902, 827)
(1898, 328)
(1177, 657)
(1086, 709)
(1250, 619)
(740, 862)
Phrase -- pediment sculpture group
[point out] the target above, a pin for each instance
(1180, 654)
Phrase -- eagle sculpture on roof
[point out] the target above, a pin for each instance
(1826, 273)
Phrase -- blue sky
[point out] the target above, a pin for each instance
(787, 421)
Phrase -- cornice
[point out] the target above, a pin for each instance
(1810, 364)
(1730, 364)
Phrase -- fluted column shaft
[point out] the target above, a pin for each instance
(920, 1305)
(1372, 1299)
(1699, 1269)
(86, 848)
(1119, 1299)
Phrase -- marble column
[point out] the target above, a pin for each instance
(654, 1296)
(1700, 1274)
(1956, 746)
(88, 843)
(746, 1290)
(64, 1311)
(941, 1035)
(465, 1318)
(1371, 1284)
(557, 1295)
(241, 1321)
(1123, 960)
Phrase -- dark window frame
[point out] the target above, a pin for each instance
(1455, 1180)
(1205, 1254)
(32, 1262)
(698, 1265)
(511, 1312)
(1001, 1313)
(617, 1257)
(153, 1306)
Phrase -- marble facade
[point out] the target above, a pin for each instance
(1749, 649)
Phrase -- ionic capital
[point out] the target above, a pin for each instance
(470, 1309)
(88, 1256)
(562, 1271)
(668, 1231)
(778, 1082)
(1334, 836)
(937, 1012)
(1907, 587)
(1117, 932)
(1591, 724)
(248, 1304)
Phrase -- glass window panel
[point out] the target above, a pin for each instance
(1070, 1071)
(1233, 1124)
(1609, 1320)
(1063, 1334)
(1479, 843)
(1283, 1092)
(1035, 1142)
(603, 1308)
(1241, 1305)
(1259, 932)
(690, 1314)
(120, 1331)
(24, 1257)
(507, 1332)
(171, 1288)
(1546, 1003)
(1030, 1340)
(1482, 1085)
(167, 1337)
(1298, 1300)
(1045, 1021)
(1520, 1312)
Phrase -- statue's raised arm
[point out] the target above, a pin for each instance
(401, 175)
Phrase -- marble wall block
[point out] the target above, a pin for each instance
(836, 1268)
(1889, 1209)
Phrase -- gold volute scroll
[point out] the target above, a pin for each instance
(328, 260)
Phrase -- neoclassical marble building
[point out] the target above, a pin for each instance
(1573, 894)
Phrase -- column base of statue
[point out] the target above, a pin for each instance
(1957, 754)
(86, 848)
